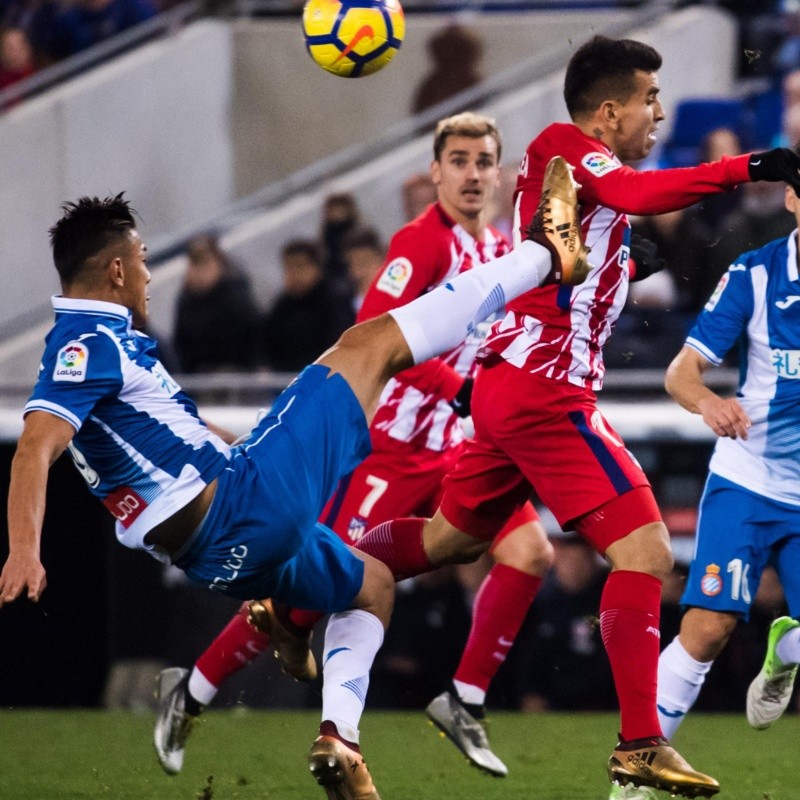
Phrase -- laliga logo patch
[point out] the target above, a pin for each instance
(711, 582)
(395, 277)
(714, 299)
(71, 363)
(599, 164)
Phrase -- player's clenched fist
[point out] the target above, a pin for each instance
(780, 164)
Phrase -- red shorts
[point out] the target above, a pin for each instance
(398, 482)
(549, 436)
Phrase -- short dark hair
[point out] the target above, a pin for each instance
(603, 69)
(87, 227)
(303, 247)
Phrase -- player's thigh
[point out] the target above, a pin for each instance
(557, 438)
(730, 550)
(315, 433)
(324, 575)
(483, 490)
(787, 563)
(384, 487)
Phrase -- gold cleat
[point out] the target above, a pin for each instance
(654, 763)
(556, 225)
(293, 651)
(342, 772)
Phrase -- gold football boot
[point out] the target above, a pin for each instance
(293, 651)
(342, 772)
(556, 225)
(653, 762)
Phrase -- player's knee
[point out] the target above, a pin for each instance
(646, 549)
(531, 553)
(704, 633)
(377, 590)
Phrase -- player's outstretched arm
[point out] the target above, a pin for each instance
(684, 382)
(44, 438)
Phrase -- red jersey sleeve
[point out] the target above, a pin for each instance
(415, 263)
(607, 182)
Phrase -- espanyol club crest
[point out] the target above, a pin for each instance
(711, 582)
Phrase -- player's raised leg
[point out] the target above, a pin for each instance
(554, 251)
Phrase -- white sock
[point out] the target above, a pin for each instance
(468, 693)
(680, 678)
(441, 319)
(788, 648)
(201, 687)
(352, 639)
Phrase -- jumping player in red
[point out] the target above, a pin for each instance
(416, 435)
(534, 405)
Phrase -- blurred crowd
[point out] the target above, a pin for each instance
(37, 33)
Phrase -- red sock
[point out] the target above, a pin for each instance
(398, 543)
(630, 611)
(305, 620)
(499, 611)
(235, 647)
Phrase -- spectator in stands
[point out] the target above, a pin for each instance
(456, 54)
(216, 318)
(339, 216)
(419, 191)
(88, 22)
(564, 666)
(364, 253)
(308, 315)
(16, 57)
(39, 20)
(761, 218)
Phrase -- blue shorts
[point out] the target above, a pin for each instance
(738, 533)
(261, 537)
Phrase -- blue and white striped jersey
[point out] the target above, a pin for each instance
(759, 296)
(140, 443)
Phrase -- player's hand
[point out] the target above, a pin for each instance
(780, 164)
(725, 416)
(462, 402)
(644, 254)
(22, 572)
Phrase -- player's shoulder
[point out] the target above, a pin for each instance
(423, 234)
(74, 343)
(771, 256)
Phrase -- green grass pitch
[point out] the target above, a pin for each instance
(260, 755)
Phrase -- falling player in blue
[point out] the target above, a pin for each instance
(750, 509)
(243, 519)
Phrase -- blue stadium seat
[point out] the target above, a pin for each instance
(693, 120)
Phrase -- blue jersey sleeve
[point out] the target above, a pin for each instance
(724, 316)
(75, 375)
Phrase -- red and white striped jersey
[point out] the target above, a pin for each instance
(428, 251)
(559, 331)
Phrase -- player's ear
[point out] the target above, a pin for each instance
(116, 271)
(609, 113)
(436, 172)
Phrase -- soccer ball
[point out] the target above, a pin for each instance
(352, 38)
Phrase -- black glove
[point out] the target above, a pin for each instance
(461, 402)
(780, 164)
(645, 256)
